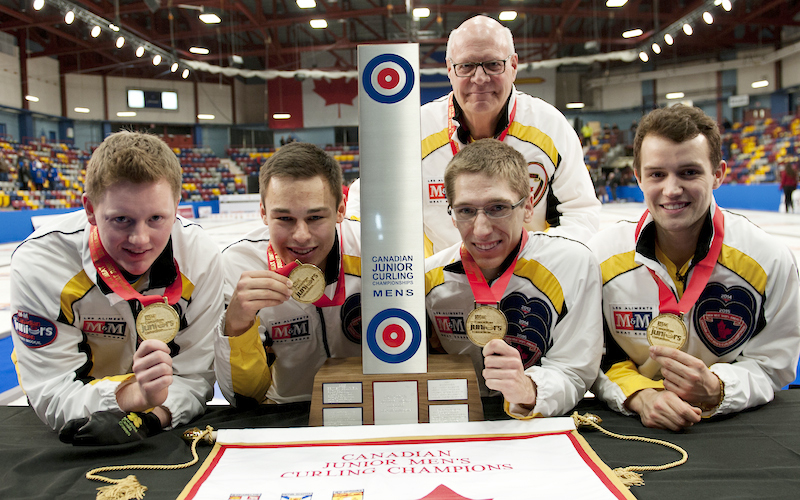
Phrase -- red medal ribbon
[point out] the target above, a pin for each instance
(451, 127)
(276, 264)
(113, 277)
(480, 288)
(700, 276)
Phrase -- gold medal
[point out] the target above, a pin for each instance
(667, 330)
(486, 323)
(158, 321)
(308, 283)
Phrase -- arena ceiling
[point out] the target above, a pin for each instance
(276, 34)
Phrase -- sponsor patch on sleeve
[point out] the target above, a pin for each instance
(34, 331)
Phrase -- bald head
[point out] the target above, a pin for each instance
(480, 28)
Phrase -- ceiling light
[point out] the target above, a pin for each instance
(205, 117)
(113, 27)
(31, 98)
(616, 3)
(139, 51)
(120, 42)
(726, 4)
(281, 116)
(668, 38)
(318, 23)
(38, 4)
(575, 105)
(760, 84)
(632, 33)
(708, 18)
(237, 59)
(156, 59)
(69, 17)
(306, 4)
(124, 114)
(199, 50)
(717, 2)
(656, 48)
(96, 31)
(81, 110)
(185, 74)
(421, 12)
(643, 56)
(210, 18)
(174, 67)
(508, 15)
(675, 95)
(687, 28)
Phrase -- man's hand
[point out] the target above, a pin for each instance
(663, 410)
(686, 376)
(503, 372)
(109, 427)
(152, 368)
(254, 291)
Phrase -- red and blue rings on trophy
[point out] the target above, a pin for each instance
(394, 336)
(388, 78)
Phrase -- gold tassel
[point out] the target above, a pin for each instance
(629, 478)
(127, 488)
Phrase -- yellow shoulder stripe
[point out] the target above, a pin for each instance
(434, 142)
(73, 291)
(352, 265)
(536, 137)
(618, 264)
(745, 266)
(188, 288)
(542, 279)
(433, 278)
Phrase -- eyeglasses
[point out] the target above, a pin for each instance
(468, 69)
(497, 210)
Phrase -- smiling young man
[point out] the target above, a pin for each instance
(80, 288)
(547, 289)
(482, 67)
(272, 340)
(716, 295)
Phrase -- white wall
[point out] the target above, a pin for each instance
(10, 80)
(85, 91)
(790, 67)
(539, 83)
(698, 87)
(44, 82)
(622, 96)
(214, 99)
(251, 101)
(754, 72)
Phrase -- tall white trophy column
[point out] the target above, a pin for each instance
(392, 249)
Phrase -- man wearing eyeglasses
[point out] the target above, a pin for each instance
(543, 292)
(482, 66)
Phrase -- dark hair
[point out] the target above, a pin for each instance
(300, 160)
(678, 123)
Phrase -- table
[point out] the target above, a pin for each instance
(753, 454)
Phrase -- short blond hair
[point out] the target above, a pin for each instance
(493, 159)
(135, 157)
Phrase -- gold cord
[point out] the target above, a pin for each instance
(629, 475)
(129, 487)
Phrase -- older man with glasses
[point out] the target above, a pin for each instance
(525, 306)
(482, 66)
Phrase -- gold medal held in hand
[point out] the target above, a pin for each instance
(486, 323)
(667, 330)
(308, 283)
(158, 321)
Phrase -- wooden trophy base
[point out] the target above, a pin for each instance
(344, 395)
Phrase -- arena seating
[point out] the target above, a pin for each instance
(205, 177)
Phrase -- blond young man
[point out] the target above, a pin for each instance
(80, 292)
(546, 287)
